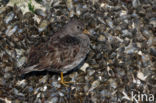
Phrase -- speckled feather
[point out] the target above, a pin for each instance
(64, 51)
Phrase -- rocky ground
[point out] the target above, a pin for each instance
(121, 60)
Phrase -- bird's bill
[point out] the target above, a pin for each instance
(86, 32)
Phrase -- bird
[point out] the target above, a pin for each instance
(63, 52)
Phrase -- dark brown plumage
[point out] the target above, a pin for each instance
(64, 51)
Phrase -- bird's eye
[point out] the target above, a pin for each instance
(78, 27)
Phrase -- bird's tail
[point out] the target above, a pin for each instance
(28, 69)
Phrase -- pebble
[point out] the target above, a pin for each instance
(21, 83)
(56, 84)
(53, 100)
(84, 67)
(43, 79)
(95, 84)
(9, 17)
(141, 76)
(11, 30)
(101, 38)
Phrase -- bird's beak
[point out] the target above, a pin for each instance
(86, 32)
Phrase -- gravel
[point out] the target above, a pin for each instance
(121, 60)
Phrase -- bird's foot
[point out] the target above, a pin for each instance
(65, 83)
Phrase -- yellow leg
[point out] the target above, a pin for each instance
(62, 80)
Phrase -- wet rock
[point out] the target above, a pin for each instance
(43, 79)
(21, 83)
(101, 38)
(94, 85)
(56, 84)
(41, 13)
(153, 51)
(9, 17)
(11, 30)
(54, 100)
(135, 3)
(43, 25)
(84, 67)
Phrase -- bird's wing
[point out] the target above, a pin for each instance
(54, 55)
(35, 53)
(34, 56)
(62, 52)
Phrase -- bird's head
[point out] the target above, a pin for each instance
(74, 27)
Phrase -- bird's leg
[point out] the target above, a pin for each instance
(64, 82)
